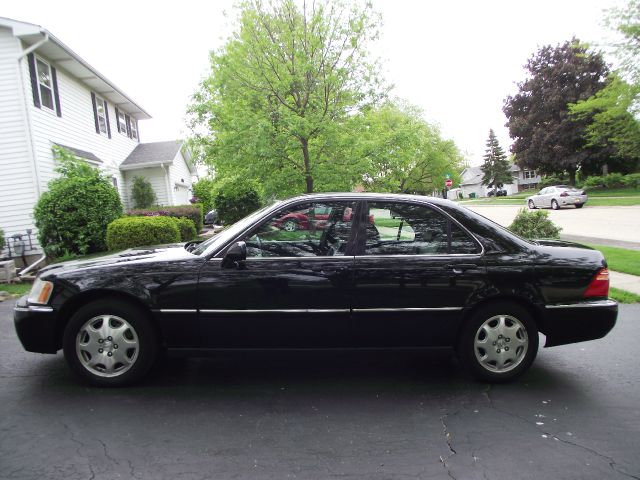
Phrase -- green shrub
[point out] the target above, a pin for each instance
(632, 180)
(203, 191)
(129, 232)
(142, 193)
(614, 180)
(593, 181)
(72, 216)
(1, 240)
(187, 228)
(550, 180)
(534, 224)
(193, 212)
(235, 198)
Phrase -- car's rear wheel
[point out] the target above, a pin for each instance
(532, 205)
(499, 342)
(110, 343)
(290, 225)
(579, 205)
(554, 205)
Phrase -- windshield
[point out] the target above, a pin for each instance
(219, 239)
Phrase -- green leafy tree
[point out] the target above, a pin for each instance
(546, 137)
(73, 214)
(235, 198)
(403, 152)
(534, 224)
(142, 193)
(281, 92)
(203, 191)
(496, 169)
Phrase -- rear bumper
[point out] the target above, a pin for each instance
(36, 327)
(572, 200)
(578, 322)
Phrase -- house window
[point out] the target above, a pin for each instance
(529, 174)
(101, 112)
(45, 84)
(134, 128)
(122, 123)
(114, 180)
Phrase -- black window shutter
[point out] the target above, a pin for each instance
(128, 120)
(95, 112)
(56, 94)
(106, 115)
(117, 120)
(34, 79)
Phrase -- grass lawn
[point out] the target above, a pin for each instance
(623, 296)
(614, 192)
(15, 288)
(621, 259)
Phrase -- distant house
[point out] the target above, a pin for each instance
(471, 182)
(50, 96)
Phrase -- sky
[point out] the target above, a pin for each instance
(457, 60)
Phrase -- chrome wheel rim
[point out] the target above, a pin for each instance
(289, 226)
(501, 343)
(531, 204)
(107, 346)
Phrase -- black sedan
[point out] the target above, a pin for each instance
(425, 272)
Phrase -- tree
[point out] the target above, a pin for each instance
(282, 89)
(203, 191)
(142, 193)
(613, 111)
(546, 137)
(496, 168)
(235, 198)
(73, 214)
(403, 152)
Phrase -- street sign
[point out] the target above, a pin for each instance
(448, 183)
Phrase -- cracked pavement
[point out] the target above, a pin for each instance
(575, 415)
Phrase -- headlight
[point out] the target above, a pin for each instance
(40, 292)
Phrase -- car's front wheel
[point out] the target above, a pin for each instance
(499, 342)
(532, 205)
(290, 225)
(110, 343)
(554, 205)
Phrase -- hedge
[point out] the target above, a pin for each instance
(534, 224)
(187, 228)
(129, 232)
(193, 212)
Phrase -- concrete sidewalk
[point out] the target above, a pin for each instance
(624, 281)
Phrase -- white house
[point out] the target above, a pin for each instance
(50, 96)
(471, 182)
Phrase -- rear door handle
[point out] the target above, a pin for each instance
(461, 267)
(329, 270)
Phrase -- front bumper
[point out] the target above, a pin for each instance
(36, 327)
(578, 322)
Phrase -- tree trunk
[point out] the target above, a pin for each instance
(307, 164)
(572, 176)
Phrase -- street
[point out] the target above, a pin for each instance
(576, 414)
(611, 223)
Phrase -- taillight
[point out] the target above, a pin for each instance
(564, 194)
(599, 286)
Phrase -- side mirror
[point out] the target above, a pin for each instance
(236, 254)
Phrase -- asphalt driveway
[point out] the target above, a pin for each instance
(576, 414)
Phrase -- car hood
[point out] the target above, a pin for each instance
(155, 254)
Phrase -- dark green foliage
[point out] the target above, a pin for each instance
(193, 212)
(203, 191)
(546, 137)
(72, 216)
(613, 180)
(129, 232)
(187, 228)
(236, 198)
(1, 240)
(534, 224)
(496, 168)
(550, 180)
(142, 193)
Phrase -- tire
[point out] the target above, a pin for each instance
(110, 343)
(554, 205)
(499, 342)
(532, 206)
(290, 225)
(579, 205)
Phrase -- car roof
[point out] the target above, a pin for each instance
(371, 196)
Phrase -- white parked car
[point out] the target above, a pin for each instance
(556, 197)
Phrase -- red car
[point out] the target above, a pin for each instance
(302, 220)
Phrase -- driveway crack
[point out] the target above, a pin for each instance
(448, 440)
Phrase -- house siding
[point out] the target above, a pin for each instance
(156, 176)
(179, 171)
(18, 191)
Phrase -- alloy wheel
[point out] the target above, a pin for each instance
(501, 343)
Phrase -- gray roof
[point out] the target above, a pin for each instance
(152, 154)
(80, 153)
(473, 175)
